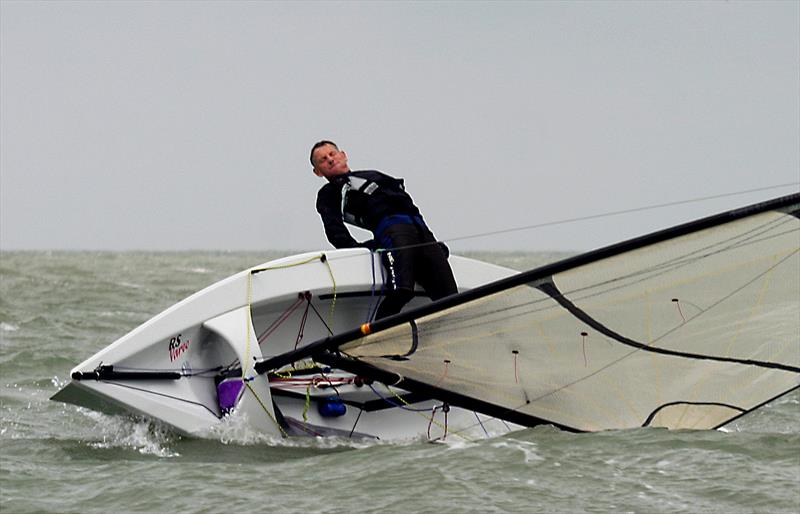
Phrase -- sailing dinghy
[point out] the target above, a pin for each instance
(686, 328)
(193, 365)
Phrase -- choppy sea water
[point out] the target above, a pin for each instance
(58, 308)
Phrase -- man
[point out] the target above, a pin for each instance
(379, 203)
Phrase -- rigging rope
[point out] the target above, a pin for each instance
(283, 317)
(245, 380)
(595, 216)
(264, 407)
(623, 211)
(420, 412)
(303, 319)
(249, 323)
(324, 259)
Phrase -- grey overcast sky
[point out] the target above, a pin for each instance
(187, 125)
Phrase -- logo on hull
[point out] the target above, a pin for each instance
(177, 347)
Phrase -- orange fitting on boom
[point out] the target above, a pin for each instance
(366, 329)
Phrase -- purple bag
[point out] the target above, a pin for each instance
(228, 392)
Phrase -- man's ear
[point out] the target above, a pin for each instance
(316, 172)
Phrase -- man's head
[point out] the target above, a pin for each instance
(328, 161)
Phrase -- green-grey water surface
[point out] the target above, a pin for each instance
(58, 308)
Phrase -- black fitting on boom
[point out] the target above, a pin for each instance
(107, 372)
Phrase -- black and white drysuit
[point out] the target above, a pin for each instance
(379, 203)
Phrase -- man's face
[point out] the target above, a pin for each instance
(329, 162)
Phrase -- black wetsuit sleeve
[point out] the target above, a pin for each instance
(329, 208)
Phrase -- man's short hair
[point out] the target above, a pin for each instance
(317, 145)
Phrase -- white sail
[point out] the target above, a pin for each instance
(686, 328)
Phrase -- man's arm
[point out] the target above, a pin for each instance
(329, 208)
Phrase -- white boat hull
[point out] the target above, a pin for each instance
(260, 313)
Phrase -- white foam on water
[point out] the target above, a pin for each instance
(529, 449)
(8, 327)
(58, 383)
(145, 437)
(130, 285)
(198, 270)
(235, 429)
(459, 443)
